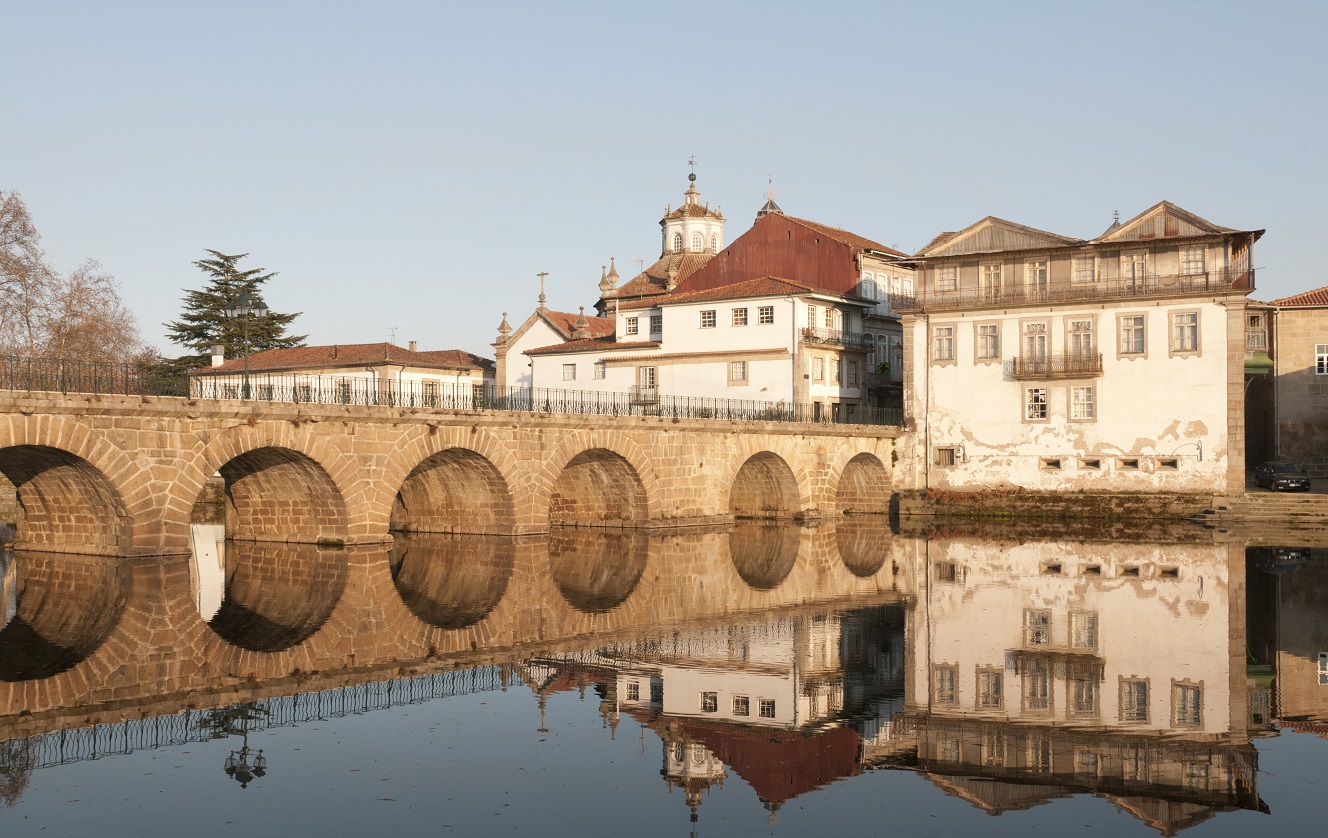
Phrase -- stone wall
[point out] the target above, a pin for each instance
(1301, 435)
(1052, 506)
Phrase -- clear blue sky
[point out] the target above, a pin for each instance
(414, 165)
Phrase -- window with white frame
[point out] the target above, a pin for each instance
(896, 285)
(737, 371)
(811, 317)
(1323, 669)
(656, 324)
(766, 708)
(1132, 334)
(765, 315)
(1186, 705)
(1083, 629)
(947, 278)
(740, 317)
(868, 286)
(1134, 700)
(1081, 337)
(709, 702)
(832, 318)
(569, 372)
(1085, 269)
(991, 688)
(714, 241)
(834, 370)
(1039, 277)
(1035, 403)
(908, 286)
(697, 243)
(1192, 260)
(633, 326)
(1037, 685)
(1083, 696)
(1035, 340)
(1321, 359)
(601, 369)
(677, 242)
(818, 368)
(742, 705)
(1037, 627)
(1185, 331)
(943, 348)
(633, 690)
(1081, 403)
(708, 319)
(989, 341)
(1256, 337)
(945, 684)
(945, 455)
(991, 280)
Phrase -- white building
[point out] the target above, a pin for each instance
(1046, 362)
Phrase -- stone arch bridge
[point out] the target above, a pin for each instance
(121, 474)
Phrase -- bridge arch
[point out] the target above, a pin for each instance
(864, 486)
(65, 502)
(456, 490)
(864, 543)
(763, 553)
(765, 487)
(278, 595)
(597, 571)
(599, 479)
(450, 581)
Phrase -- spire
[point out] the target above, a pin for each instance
(604, 284)
(542, 298)
(581, 328)
(613, 270)
(504, 328)
(770, 207)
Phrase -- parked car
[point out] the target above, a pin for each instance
(1281, 477)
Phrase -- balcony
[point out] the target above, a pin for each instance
(1056, 366)
(644, 395)
(834, 337)
(1013, 293)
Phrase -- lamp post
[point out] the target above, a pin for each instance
(244, 309)
(239, 767)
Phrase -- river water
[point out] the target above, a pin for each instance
(749, 680)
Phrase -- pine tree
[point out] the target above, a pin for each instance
(204, 323)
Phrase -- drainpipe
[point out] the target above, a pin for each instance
(926, 407)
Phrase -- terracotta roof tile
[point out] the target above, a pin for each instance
(764, 287)
(694, 211)
(350, 355)
(655, 279)
(564, 322)
(845, 237)
(1317, 297)
(606, 344)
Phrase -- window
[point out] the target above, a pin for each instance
(1084, 269)
(1083, 629)
(990, 688)
(1255, 336)
(811, 317)
(305, 393)
(1321, 359)
(1128, 464)
(740, 317)
(1134, 700)
(343, 392)
(993, 748)
(1192, 260)
(1035, 403)
(742, 705)
(832, 318)
(945, 456)
(738, 371)
(656, 324)
(1081, 337)
(714, 242)
(677, 242)
(569, 372)
(708, 319)
(1087, 764)
(1039, 752)
(601, 370)
(1081, 403)
(1037, 627)
(834, 370)
(1039, 278)
(989, 341)
(645, 377)
(766, 708)
(947, 749)
(1083, 696)
(765, 315)
(633, 690)
(868, 286)
(1185, 332)
(1134, 763)
(1323, 669)
(697, 243)
(1035, 340)
(991, 280)
(1168, 463)
(1186, 705)
(945, 683)
(633, 326)
(943, 348)
(656, 693)
(709, 702)
(945, 571)
(1037, 685)
(1132, 334)
(948, 278)
(851, 369)
(818, 369)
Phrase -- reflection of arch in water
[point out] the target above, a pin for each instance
(456, 490)
(864, 486)
(278, 595)
(597, 571)
(64, 501)
(597, 487)
(276, 494)
(765, 487)
(451, 582)
(864, 543)
(64, 608)
(764, 554)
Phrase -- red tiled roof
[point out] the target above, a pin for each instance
(564, 322)
(350, 355)
(655, 279)
(605, 344)
(1317, 297)
(853, 240)
(764, 287)
(694, 211)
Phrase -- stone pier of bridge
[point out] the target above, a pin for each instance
(103, 474)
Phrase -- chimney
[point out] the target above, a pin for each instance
(218, 355)
(414, 346)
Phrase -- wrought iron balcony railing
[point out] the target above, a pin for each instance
(835, 337)
(1056, 366)
(1017, 293)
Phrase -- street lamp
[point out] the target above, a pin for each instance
(239, 767)
(244, 309)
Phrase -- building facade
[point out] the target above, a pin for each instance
(1300, 381)
(1040, 361)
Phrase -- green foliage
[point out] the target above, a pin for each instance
(204, 323)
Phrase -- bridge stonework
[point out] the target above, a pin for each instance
(99, 473)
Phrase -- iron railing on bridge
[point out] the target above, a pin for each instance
(24, 374)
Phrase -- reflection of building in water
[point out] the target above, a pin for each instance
(208, 563)
(1115, 669)
(1288, 593)
(8, 587)
(778, 702)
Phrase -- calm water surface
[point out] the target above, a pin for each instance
(742, 681)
